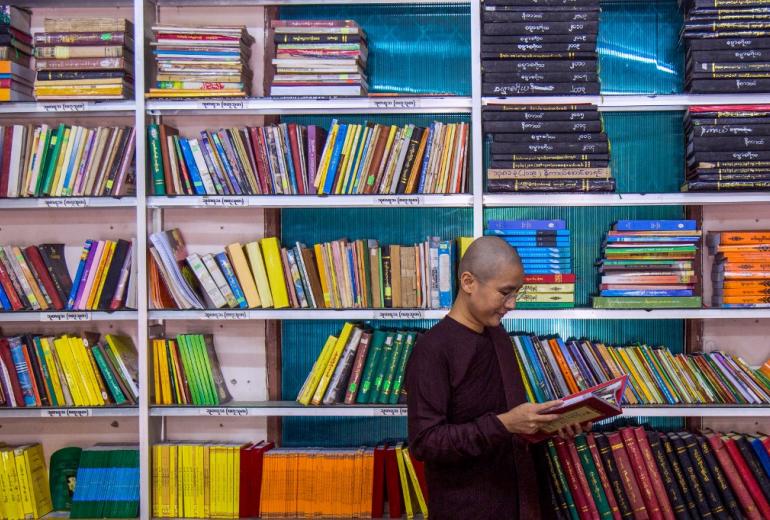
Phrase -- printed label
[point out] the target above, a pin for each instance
(407, 314)
(66, 412)
(224, 412)
(65, 316)
(64, 107)
(225, 315)
(390, 412)
(396, 104)
(407, 200)
(212, 201)
(74, 202)
(221, 105)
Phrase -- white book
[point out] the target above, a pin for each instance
(79, 160)
(220, 280)
(57, 190)
(318, 90)
(19, 132)
(401, 158)
(344, 365)
(207, 282)
(200, 163)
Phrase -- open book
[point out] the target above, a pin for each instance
(592, 404)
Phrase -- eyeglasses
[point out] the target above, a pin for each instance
(506, 296)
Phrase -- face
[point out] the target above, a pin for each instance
(490, 300)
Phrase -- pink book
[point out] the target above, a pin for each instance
(89, 274)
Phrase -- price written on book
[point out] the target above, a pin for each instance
(399, 315)
(74, 202)
(66, 412)
(224, 412)
(413, 200)
(223, 202)
(65, 316)
(225, 315)
(390, 412)
(64, 107)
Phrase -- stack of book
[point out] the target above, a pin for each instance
(68, 370)
(338, 275)
(319, 58)
(728, 46)
(728, 148)
(545, 250)
(633, 473)
(360, 366)
(547, 148)
(36, 278)
(294, 159)
(64, 161)
(25, 482)
(187, 371)
(107, 482)
(552, 368)
(202, 61)
(740, 272)
(530, 49)
(84, 58)
(16, 77)
(649, 264)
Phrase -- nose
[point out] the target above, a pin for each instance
(510, 304)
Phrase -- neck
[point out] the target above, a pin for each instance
(460, 313)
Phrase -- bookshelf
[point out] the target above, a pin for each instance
(250, 342)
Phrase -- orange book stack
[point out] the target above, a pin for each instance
(740, 272)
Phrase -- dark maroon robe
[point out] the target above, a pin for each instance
(457, 382)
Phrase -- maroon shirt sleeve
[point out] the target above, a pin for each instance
(432, 438)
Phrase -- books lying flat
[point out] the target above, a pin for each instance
(740, 272)
(115, 493)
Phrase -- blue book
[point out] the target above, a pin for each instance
(527, 233)
(655, 225)
(226, 164)
(546, 271)
(761, 452)
(22, 371)
(651, 292)
(649, 238)
(70, 168)
(189, 160)
(289, 158)
(5, 303)
(426, 158)
(359, 173)
(531, 359)
(446, 280)
(353, 268)
(298, 287)
(537, 225)
(563, 241)
(79, 274)
(577, 356)
(217, 175)
(232, 280)
(334, 162)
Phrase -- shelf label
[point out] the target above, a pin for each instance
(225, 315)
(66, 412)
(390, 412)
(213, 201)
(74, 202)
(65, 316)
(221, 105)
(400, 200)
(224, 412)
(64, 107)
(406, 314)
(396, 104)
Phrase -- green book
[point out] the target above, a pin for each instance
(208, 373)
(53, 158)
(395, 392)
(646, 250)
(46, 137)
(200, 369)
(46, 373)
(392, 368)
(171, 372)
(544, 305)
(592, 476)
(109, 377)
(372, 361)
(382, 367)
(646, 302)
(726, 384)
(156, 160)
(564, 495)
(189, 369)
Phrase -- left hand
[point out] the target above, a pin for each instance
(572, 430)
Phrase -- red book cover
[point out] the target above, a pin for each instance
(608, 492)
(419, 468)
(578, 493)
(167, 155)
(10, 291)
(659, 490)
(5, 353)
(730, 108)
(33, 255)
(5, 165)
(263, 164)
(627, 473)
(295, 151)
(640, 470)
(549, 278)
(378, 482)
(259, 167)
(582, 480)
(247, 506)
(747, 477)
(736, 484)
(393, 482)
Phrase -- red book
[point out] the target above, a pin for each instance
(312, 23)
(578, 492)
(393, 482)
(608, 492)
(33, 255)
(627, 472)
(746, 476)
(642, 476)
(259, 166)
(731, 473)
(730, 108)
(261, 158)
(10, 291)
(247, 507)
(659, 490)
(378, 482)
(5, 165)
(549, 278)
(299, 179)
(5, 354)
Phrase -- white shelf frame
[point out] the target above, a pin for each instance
(312, 201)
(69, 413)
(58, 108)
(67, 203)
(66, 316)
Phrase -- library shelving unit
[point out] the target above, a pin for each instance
(265, 354)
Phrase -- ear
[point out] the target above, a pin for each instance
(467, 282)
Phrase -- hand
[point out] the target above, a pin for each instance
(528, 418)
(573, 430)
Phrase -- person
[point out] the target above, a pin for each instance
(466, 400)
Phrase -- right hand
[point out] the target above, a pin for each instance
(528, 418)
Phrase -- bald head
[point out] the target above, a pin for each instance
(486, 257)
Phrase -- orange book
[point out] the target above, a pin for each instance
(747, 248)
(746, 266)
(746, 300)
(744, 237)
(765, 368)
(563, 367)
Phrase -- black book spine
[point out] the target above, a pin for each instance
(723, 485)
(558, 484)
(740, 56)
(511, 115)
(690, 473)
(540, 77)
(507, 165)
(747, 156)
(543, 148)
(729, 75)
(753, 463)
(411, 156)
(53, 75)
(539, 89)
(713, 66)
(538, 38)
(36, 369)
(589, 138)
(735, 177)
(551, 157)
(705, 86)
(534, 65)
(548, 185)
(613, 475)
(494, 29)
(53, 258)
(387, 277)
(705, 478)
(513, 54)
(113, 274)
(729, 44)
(544, 3)
(730, 130)
(679, 475)
(667, 475)
(558, 127)
(537, 47)
(539, 16)
(727, 144)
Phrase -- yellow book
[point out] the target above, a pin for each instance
(236, 481)
(463, 243)
(156, 371)
(70, 368)
(656, 364)
(677, 378)
(219, 485)
(204, 485)
(334, 288)
(82, 346)
(347, 162)
(83, 367)
(630, 369)
(188, 93)
(176, 373)
(157, 486)
(101, 274)
(271, 251)
(187, 491)
(527, 386)
(311, 383)
(243, 273)
(175, 509)
(257, 263)
(5, 506)
(38, 477)
(52, 370)
(13, 502)
(165, 379)
(24, 481)
(70, 135)
(640, 365)
(320, 263)
(323, 165)
(404, 482)
(415, 482)
(616, 371)
(81, 91)
(339, 346)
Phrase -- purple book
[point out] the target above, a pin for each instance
(316, 138)
(95, 248)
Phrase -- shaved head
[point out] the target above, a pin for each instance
(487, 257)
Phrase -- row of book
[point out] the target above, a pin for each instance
(61, 161)
(16, 77)
(319, 58)
(552, 368)
(634, 473)
(649, 264)
(360, 366)
(68, 370)
(84, 58)
(338, 274)
(728, 148)
(201, 61)
(37, 278)
(23, 482)
(547, 148)
(186, 370)
(531, 50)
(740, 272)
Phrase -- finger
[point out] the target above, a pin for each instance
(549, 404)
(545, 418)
(587, 427)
